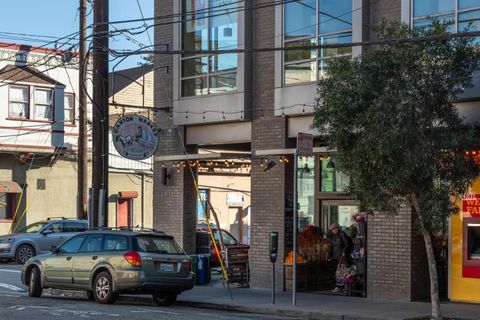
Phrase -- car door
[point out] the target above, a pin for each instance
(86, 259)
(51, 235)
(58, 266)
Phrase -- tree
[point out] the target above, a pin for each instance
(389, 114)
(147, 60)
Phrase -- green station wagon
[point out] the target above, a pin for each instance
(105, 263)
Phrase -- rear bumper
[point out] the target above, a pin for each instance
(147, 284)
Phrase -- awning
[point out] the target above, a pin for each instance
(10, 187)
(128, 194)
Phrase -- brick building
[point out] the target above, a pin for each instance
(254, 103)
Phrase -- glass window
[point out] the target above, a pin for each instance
(56, 227)
(306, 191)
(204, 195)
(115, 243)
(432, 7)
(18, 102)
(43, 104)
(69, 106)
(228, 239)
(331, 177)
(34, 227)
(334, 26)
(8, 204)
(465, 4)
(341, 213)
(74, 227)
(93, 243)
(209, 25)
(72, 245)
(155, 244)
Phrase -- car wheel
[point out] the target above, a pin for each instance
(23, 253)
(103, 288)
(90, 295)
(34, 285)
(164, 298)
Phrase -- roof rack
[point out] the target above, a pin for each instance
(127, 229)
(60, 218)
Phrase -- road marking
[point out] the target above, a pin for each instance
(155, 311)
(11, 287)
(7, 270)
(64, 312)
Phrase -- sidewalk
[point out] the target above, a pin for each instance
(317, 306)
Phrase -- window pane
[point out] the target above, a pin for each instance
(72, 245)
(223, 63)
(17, 110)
(43, 96)
(335, 16)
(306, 191)
(228, 240)
(447, 19)
(300, 19)
(74, 227)
(5, 208)
(432, 7)
(195, 27)
(464, 4)
(470, 21)
(223, 83)
(92, 244)
(194, 87)
(68, 102)
(195, 66)
(300, 72)
(156, 244)
(301, 54)
(339, 38)
(56, 227)
(43, 112)
(223, 25)
(332, 179)
(19, 94)
(115, 243)
(68, 115)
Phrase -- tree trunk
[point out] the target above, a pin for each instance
(432, 263)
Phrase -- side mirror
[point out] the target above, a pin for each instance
(54, 249)
(47, 231)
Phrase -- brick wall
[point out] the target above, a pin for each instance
(383, 9)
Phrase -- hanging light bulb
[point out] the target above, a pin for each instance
(330, 164)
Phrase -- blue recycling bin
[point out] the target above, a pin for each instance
(203, 269)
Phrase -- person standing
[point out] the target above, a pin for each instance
(341, 246)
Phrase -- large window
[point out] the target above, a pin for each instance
(209, 25)
(464, 17)
(18, 102)
(43, 104)
(311, 22)
(8, 204)
(69, 107)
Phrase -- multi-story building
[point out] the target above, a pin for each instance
(251, 104)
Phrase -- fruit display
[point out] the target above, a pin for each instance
(312, 247)
(289, 258)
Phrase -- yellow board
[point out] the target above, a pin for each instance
(461, 289)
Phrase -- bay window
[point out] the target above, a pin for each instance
(18, 102)
(309, 23)
(43, 108)
(208, 25)
(460, 15)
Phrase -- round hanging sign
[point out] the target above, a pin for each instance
(135, 137)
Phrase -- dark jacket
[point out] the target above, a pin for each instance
(341, 244)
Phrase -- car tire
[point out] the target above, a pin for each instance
(103, 288)
(165, 299)
(90, 295)
(23, 253)
(35, 285)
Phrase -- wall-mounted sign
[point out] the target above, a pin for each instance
(471, 204)
(135, 137)
(304, 144)
(235, 199)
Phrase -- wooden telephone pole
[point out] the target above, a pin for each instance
(100, 113)
(82, 121)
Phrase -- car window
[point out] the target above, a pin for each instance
(156, 244)
(228, 240)
(34, 227)
(56, 227)
(115, 243)
(72, 245)
(92, 243)
(74, 226)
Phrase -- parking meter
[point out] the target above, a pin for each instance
(273, 258)
(273, 246)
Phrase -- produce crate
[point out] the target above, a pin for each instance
(236, 261)
(311, 276)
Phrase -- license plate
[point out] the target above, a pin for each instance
(166, 267)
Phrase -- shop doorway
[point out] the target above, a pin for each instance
(125, 213)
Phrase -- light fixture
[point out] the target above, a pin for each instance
(330, 164)
(306, 169)
(270, 165)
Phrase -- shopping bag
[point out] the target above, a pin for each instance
(342, 269)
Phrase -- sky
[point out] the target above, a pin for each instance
(53, 19)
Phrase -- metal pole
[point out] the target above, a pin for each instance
(273, 282)
(100, 106)
(295, 226)
(143, 198)
(82, 185)
(90, 208)
(101, 208)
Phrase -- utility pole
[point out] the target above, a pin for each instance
(100, 113)
(82, 121)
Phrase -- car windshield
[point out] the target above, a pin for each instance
(156, 244)
(228, 240)
(34, 227)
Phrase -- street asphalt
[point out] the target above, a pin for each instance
(16, 304)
